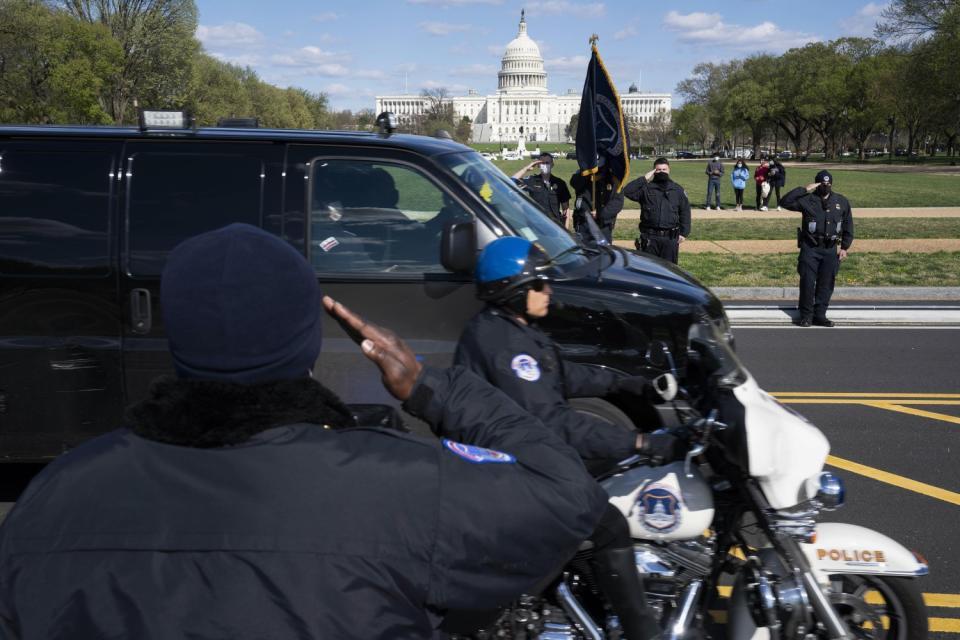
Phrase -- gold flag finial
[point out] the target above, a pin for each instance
(594, 39)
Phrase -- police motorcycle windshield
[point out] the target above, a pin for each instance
(517, 211)
(778, 447)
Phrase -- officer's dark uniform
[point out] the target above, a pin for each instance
(609, 199)
(825, 223)
(549, 194)
(664, 216)
(300, 531)
(524, 363)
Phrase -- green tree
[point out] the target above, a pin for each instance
(52, 68)
(694, 121)
(217, 91)
(751, 98)
(157, 46)
(913, 20)
(464, 130)
(571, 129)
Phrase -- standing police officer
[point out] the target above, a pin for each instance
(664, 212)
(546, 189)
(503, 345)
(827, 221)
(242, 501)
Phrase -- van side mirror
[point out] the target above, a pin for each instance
(458, 247)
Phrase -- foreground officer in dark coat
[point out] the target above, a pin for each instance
(546, 189)
(664, 212)
(827, 222)
(503, 345)
(242, 501)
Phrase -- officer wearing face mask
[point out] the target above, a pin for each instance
(546, 189)
(664, 212)
(827, 222)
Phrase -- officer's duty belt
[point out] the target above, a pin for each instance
(656, 231)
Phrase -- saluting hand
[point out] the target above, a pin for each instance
(398, 365)
(811, 187)
(648, 176)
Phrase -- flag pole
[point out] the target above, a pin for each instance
(594, 38)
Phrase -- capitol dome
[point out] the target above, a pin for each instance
(521, 69)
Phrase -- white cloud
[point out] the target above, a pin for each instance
(566, 63)
(443, 28)
(496, 49)
(314, 61)
(407, 67)
(337, 89)
(231, 34)
(241, 60)
(710, 29)
(627, 32)
(565, 8)
(485, 70)
(327, 16)
(864, 20)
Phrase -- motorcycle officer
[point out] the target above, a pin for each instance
(503, 345)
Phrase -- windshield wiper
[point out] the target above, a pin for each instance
(575, 248)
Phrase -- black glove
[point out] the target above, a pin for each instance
(634, 385)
(662, 447)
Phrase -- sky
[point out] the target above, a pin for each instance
(353, 51)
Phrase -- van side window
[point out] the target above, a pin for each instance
(376, 217)
(54, 212)
(173, 196)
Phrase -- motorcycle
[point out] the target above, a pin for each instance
(736, 518)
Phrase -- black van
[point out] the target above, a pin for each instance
(391, 222)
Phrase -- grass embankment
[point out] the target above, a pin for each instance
(874, 188)
(859, 270)
(786, 228)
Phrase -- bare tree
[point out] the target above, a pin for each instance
(912, 20)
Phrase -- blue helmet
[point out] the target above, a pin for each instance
(506, 265)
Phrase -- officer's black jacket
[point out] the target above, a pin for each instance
(548, 194)
(828, 214)
(662, 205)
(611, 201)
(524, 363)
(299, 532)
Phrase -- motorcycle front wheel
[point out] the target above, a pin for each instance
(880, 608)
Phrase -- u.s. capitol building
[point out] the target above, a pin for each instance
(522, 100)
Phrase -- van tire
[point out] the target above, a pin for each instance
(606, 411)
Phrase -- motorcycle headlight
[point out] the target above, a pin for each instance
(831, 493)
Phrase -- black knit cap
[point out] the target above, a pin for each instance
(823, 176)
(240, 305)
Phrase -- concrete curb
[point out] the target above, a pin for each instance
(858, 316)
(947, 294)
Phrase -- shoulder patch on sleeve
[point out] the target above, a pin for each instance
(478, 455)
(525, 367)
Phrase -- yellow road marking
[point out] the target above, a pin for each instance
(816, 394)
(915, 412)
(895, 480)
(867, 402)
(941, 600)
(945, 625)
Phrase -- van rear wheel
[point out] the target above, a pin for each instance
(606, 411)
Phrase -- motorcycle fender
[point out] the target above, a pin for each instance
(740, 622)
(847, 549)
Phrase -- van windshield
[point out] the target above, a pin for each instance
(516, 210)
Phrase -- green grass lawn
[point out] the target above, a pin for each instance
(940, 269)
(862, 188)
(785, 228)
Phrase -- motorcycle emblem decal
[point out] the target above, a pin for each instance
(659, 508)
(525, 367)
(478, 455)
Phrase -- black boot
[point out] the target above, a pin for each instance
(616, 573)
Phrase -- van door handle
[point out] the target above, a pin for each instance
(141, 316)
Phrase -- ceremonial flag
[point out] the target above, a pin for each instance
(601, 131)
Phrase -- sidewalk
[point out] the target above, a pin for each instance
(858, 212)
(740, 247)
